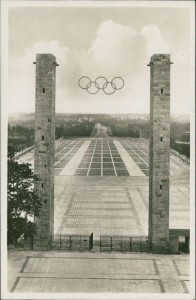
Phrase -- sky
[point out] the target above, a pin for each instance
(98, 41)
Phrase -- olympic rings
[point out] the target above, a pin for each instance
(100, 83)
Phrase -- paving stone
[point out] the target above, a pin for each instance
(118, 206)
(96, 272)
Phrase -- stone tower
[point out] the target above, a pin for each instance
(45, 147)
(159, 153)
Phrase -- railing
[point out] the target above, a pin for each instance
(124, 243)
(72, 242)
(24, 151)
(29, 149)
(184, 158)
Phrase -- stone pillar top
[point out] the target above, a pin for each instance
(155, 57)
(46, 56)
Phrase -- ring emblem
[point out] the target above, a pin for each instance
(100, 83)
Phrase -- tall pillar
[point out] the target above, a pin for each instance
(45, 147)
(159, 153)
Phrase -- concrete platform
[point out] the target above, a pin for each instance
(112, 205)
(74, 162)
(101, 187)
(96, 197)
(60, 272)
(131, 166)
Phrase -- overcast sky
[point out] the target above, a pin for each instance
(98, 41)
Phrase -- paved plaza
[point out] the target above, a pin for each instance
(108, 193)
(101, 186)
(106, 157)
(112, 206)
(62, 272)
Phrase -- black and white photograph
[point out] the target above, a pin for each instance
(97, 149)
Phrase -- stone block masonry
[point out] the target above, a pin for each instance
(45, 147)
(159, 153)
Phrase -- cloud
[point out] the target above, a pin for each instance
(22, 75)
(116, 50)
(155, 41)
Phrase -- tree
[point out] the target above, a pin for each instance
(23, 202)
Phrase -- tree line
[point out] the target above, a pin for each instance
(20, 137)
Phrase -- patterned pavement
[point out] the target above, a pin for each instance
(64, 153)
(56, 272)
(138, 154)
(108, 205)
(102, 159)
(101, 210)
(110, 157)
(105, 193)
(105, 196)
